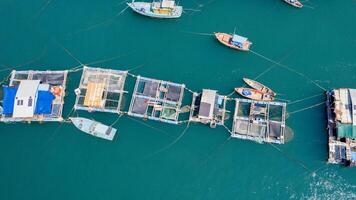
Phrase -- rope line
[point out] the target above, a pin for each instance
(307, 108)
(300, 100)
(290, 69)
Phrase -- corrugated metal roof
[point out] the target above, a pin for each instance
(206, 109)
(27, 88)
(25, 100)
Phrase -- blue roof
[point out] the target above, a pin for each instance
(44, 102)
(353, 155)
(238, 39)
(8, 100)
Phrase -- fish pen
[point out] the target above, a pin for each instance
(34, 96)
(341, 123)
(157, 100)
(100, 90)
(259, 121)
(208, 107)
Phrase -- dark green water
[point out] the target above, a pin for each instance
(54, 161)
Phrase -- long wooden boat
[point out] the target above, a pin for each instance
(259, 86)
(94, 128)
(254, 94)
(163, 9)
(234, 41)
(294, 3)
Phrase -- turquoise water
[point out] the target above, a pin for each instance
(56, 161)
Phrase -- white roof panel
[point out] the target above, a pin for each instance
(27, 88)
(167, 4)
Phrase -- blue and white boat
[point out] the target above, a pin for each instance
(162, 9)
(94, 128)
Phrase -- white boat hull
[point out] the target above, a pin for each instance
(144, 8)
(94, 128)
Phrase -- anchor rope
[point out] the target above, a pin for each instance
(307, 108)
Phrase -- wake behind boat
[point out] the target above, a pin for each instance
(259, 86)
(254, 94)
(163, 9)
(234, 41)
(94, 128)
(294, 3)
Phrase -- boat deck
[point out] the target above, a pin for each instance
(259, 121)
(156, 100)
(55, 79)
(100, 90)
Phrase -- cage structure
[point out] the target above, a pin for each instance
(100, 90)
(34, 95)
(259, 121)
(157, 100)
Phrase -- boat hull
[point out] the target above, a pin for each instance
(225, 38)
(94, 128)
(259, 86)
(144, 8)
(254, 94)
(296, 4)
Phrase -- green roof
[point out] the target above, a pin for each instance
(346, 131)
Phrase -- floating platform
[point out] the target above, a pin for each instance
(100, 90)
(34, 96)
(259, 121)
(341, 126)
(156, 100)
(208, 107)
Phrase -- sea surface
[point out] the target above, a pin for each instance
(299, 53)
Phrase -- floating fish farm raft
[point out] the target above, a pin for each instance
(39, 96)
(100, 90)
(156, 100)
(259, 121)
(341, 126)
(34, 96)
(208, 107)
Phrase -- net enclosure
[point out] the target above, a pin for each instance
(156, 100)
(260, 121)
(100, 90)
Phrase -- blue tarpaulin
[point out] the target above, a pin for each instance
(9, 98)
(44, 102)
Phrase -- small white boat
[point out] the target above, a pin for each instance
(163, 9)
(294, 3)
(94, 128)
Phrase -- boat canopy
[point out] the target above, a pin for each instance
(238, 39)
(167, 4)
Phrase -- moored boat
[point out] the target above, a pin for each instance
(259, 86)
(254, 94)
(163, 9)
(234, 41)
(94, 128)
(294, 3)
